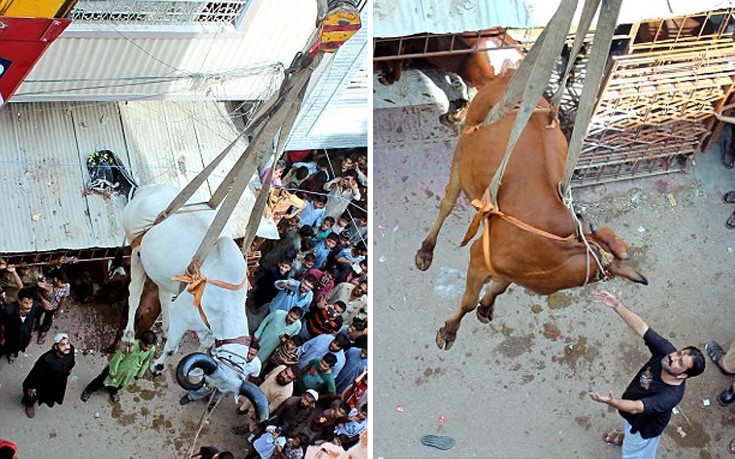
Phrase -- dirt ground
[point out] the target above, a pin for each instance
(147, 423)
(518, 388)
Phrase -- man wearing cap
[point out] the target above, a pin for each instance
(46, 383)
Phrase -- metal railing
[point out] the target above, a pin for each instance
(163, 12)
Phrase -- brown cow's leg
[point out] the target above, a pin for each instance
(487, 303)
(477, 275)
(425, 254)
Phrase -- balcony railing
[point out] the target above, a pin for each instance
(162, 12)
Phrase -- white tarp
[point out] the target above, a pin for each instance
(396, 18)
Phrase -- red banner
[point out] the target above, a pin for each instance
(22, 43)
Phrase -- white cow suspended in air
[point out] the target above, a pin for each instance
(162, 253)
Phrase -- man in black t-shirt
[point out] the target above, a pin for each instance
(655, 390)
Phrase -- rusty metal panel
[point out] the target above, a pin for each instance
(43, 173)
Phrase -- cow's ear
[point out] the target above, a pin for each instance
(618, 268)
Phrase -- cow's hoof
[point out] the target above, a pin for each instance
(423, 259)
(386, 80)
(484, 315)
(444, 119)
(445, 339)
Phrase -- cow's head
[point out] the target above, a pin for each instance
(221, 377)
(609, 242)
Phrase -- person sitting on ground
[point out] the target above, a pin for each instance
(124, 368)
(725, 362)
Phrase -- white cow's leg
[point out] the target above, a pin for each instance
(166, 300)
(175, 333)
(137, 281)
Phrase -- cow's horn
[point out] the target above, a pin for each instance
(257, 398)
(196, 360)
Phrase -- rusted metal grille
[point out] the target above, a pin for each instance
(421, 45)
(165, 12)
(655, 109)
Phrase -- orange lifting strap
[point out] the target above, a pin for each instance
(196, 282)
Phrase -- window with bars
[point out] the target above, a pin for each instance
(164, 12)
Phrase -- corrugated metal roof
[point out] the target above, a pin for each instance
(118, 63)
(397, 18)
(43, 170)
(336, 106)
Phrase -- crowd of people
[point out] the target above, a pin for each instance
(307, 308)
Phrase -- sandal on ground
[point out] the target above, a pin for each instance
(11, 360)
(726, 397)
(613, 437)
(729, 197)
(436, 441)
(715, 352)
(41, 339)
(728, 155)
(731, 446)
(115, 397)
(85, 396)
(730, 222)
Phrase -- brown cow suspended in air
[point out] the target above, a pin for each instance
(533, 240)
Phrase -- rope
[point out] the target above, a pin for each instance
(196, 281)
(569, 203)
(203, 420)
